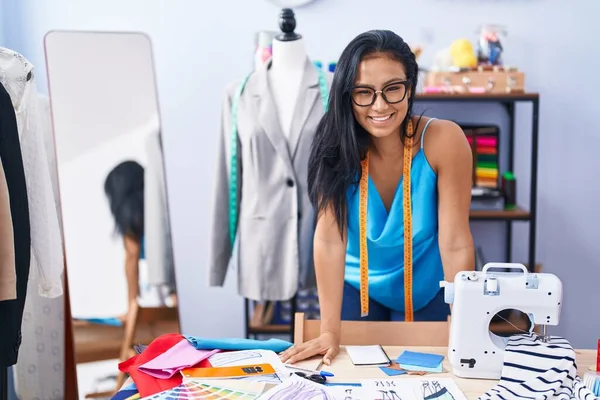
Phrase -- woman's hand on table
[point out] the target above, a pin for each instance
(327, 344)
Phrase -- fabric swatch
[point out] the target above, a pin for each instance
(127, 393)
(417, 359)
(392, 371)
(146, 384)
(182, 355)
(534, 368)
(103, 321)
(276, 345)
(406, 367)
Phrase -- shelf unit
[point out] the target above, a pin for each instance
(520, 214)
(509, 101)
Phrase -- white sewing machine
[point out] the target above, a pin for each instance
(476, 296)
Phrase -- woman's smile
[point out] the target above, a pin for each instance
(382, 120)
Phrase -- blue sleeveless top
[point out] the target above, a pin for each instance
(385, 239)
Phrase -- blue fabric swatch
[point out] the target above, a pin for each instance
(125, 393)
(102, 321)
(392, 371)
(439, 368)
(276, 345)
(427, 360)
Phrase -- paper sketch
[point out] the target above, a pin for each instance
(245, 357)
(440, 389)
(232, 358)
(213, 390)
(387, 389)
(435, 390)
(298, 389)
(345, 392)
(412, 389)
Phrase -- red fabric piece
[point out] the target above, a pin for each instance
(148, 385)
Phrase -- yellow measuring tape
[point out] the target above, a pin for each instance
(364, 256)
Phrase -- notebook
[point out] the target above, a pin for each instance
(368, 356)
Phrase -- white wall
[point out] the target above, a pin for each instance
(2, 28)
(201, 46)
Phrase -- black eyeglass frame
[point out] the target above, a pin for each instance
(405, 83)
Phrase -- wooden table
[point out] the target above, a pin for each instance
(344, 371)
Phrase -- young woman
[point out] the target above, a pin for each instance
(363, 136)
(124, 188)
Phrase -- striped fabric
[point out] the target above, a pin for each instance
(534, 369)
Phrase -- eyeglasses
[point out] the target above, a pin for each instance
(314, 377)
(392, 93)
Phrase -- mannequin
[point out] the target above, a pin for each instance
(263, 221)
(287, 69)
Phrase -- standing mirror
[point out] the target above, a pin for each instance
(113, 198)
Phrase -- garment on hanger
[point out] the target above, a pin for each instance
(39, 372)
(8, 275)
(12, 163)
(17, 76)
(274, 231)
(157, 229)
(534, 369)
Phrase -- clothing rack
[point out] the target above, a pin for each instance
(4, 383)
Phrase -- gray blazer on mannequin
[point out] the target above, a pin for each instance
(273, 247)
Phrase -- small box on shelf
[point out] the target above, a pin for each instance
(479, 80)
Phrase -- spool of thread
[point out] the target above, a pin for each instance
(598, 357)
(263, 48)
(509, 189)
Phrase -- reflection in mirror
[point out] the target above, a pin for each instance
(113, 198)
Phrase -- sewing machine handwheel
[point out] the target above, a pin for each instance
(504, 266)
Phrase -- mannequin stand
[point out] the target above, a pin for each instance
(249, 331)
(4, 383)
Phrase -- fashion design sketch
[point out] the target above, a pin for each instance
(435, 390)
(411, 389)
(298, 389)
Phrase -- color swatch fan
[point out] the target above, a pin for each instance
(213, 390)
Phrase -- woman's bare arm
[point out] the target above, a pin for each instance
(132, 258)
(454, 164)
(330, 263)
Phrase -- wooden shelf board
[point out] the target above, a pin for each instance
(93, 342)
(270, 328)
(477, 96)
(499, 327)
(518, 214)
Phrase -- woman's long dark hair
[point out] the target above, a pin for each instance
(124, 188)
(340, 142)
